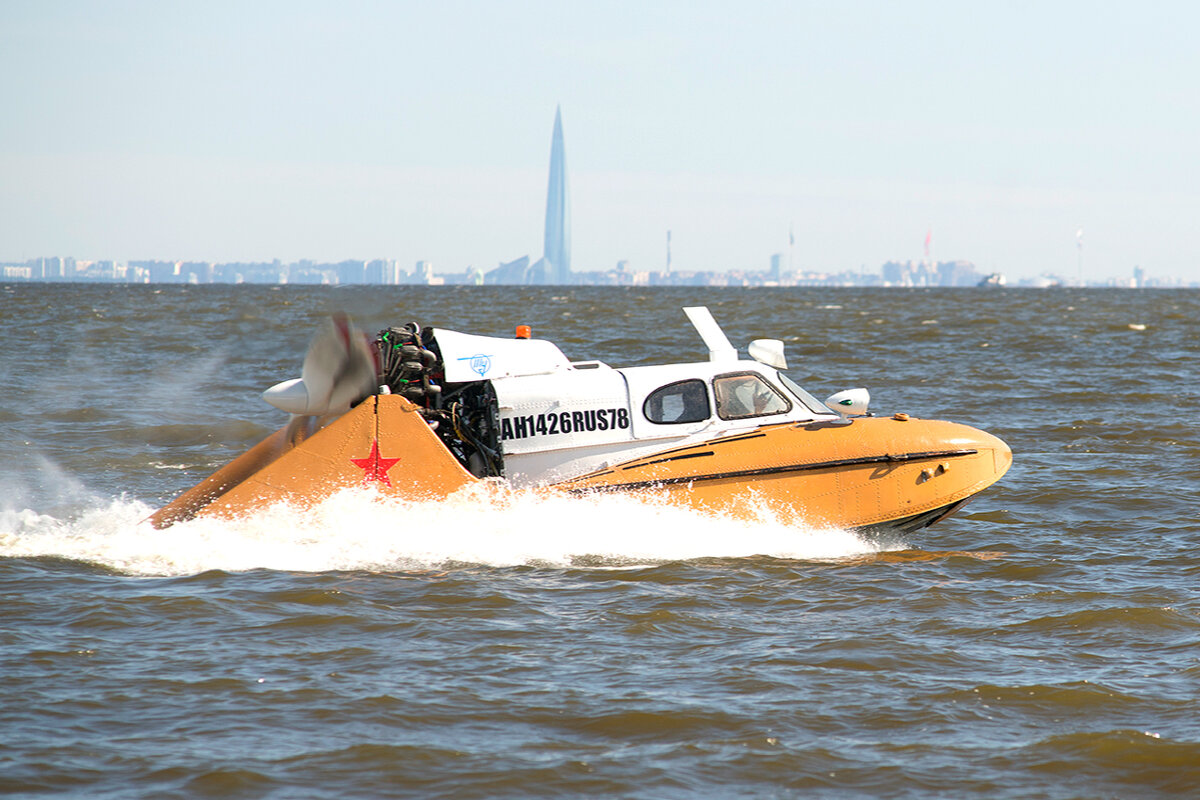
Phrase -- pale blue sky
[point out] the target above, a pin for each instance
(260, 130)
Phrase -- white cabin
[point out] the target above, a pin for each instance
(558, 420)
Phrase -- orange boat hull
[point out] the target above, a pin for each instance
(383, 442)
(871, 472)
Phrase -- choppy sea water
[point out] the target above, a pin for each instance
(1044, 642)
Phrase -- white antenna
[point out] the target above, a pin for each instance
(1079, 246)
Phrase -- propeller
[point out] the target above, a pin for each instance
(339, 370)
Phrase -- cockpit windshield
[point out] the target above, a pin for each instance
(807, 400)
(746, 394)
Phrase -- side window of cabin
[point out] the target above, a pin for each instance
(685, 401)
(747, 395)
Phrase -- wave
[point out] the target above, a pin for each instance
(358, 529)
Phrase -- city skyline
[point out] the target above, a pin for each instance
(520, 272)
(137, 130)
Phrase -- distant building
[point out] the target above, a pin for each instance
(557, 245)
(894, 274)
(957, 273)
(947, 273)
(351, 271)
(382, 271)
(197, 271)
(48, 269)
(423, 275)
(513, 273)
(922, 273)
(541, 272)
(776, 266)
(14, 272)
(159, 271)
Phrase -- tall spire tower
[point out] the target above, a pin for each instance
(557, 247)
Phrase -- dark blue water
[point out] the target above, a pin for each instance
(1045, 642)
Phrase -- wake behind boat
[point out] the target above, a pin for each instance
(424, 412)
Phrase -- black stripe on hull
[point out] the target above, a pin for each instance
(767, 471)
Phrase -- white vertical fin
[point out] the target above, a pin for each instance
(719, 348)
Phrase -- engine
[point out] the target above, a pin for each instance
(462, 414)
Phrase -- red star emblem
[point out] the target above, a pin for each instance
(376, 466)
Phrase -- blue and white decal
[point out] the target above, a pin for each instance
(480, 363)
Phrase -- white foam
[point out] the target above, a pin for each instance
(359, 530)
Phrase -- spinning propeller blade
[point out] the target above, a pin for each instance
(339, 370)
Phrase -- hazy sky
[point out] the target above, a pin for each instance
(261, 130)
